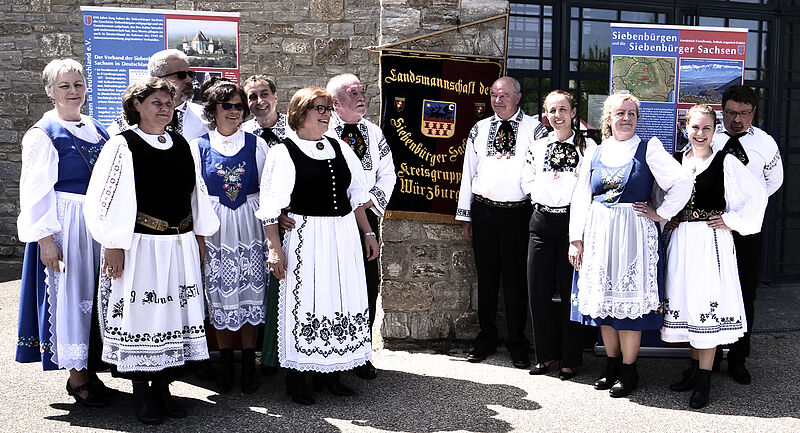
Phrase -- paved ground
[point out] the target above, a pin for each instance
(428, 392)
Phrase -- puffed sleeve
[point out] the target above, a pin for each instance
(204, 220)
(386, 177)
(277, 184)
(671, 177)
(261, 155)
(528, 171)
(110, 206)
(773, 168)
(581, 196)
(469, 171)
(357, 191)
(745, 199)
(37, 198)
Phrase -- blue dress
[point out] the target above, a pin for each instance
(621, 282)
(55, 312)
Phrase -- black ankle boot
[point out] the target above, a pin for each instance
(702, 389)
(296, 387)
(627, 381)
(165, 401)
(687, 381)
(144, 404)
(250, 379)
(334, 384)
(610, 374)
(227, 369)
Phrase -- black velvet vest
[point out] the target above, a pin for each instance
(320, 185)
(708, 193)
(164, 181)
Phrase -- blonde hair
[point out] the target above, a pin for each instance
(702, 109)
(612, 102)
(301, 102)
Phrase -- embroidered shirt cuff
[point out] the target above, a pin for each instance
(269, 221)
(463, 215)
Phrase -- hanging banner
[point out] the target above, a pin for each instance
(118, 43)
(428, 106)
(671, 68)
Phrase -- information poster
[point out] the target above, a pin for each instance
(118, 43)
(671, 68)
(428, 107)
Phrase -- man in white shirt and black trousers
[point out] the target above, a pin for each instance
(494, 215)
(759, 153)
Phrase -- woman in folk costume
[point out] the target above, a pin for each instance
(615, 240)
(703, 303)
(549, 177)
(323, 316)
(231, 162)
(59, 276)
(149, 208)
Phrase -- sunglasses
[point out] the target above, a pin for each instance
(321, 109)
(227, 106)
(181, 74)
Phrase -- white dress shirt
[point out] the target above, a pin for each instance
(763, 155)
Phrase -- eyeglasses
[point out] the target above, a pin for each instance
(735, 114)
(227, 106)
(180, 74)
(321, 109)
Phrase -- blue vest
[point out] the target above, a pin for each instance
(627, 183)
(76, 157)
(231, 178)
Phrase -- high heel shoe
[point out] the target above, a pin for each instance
(687, 381)
(610, 374)
(92, 399)
(296, 388)
(627, 381)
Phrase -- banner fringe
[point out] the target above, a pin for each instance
(421, 216)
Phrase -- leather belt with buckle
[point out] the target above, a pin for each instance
(548, 209)
(160, 225)
(503, 204)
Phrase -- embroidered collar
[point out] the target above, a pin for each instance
(182, 107)
(721, 129)
(552, 137)
(338, 121)
(515, 118)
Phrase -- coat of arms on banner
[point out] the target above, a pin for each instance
(399, 103)
(438, 118)
(480, 108)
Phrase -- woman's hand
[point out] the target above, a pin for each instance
(113, 262)
(716, 222)
(672, 224)
(644, 210)
(284, 221)
(371, 247)
(575, 254)
(49, 253)
(277, 263)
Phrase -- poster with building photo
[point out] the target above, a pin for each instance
(118, 43)
(671, 68)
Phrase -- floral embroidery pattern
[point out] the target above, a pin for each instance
(117, 309)
(341, 327)
(86, 306)
(92, 152)
(612, 183)
(231, 179)
(117, 334)
(28, 341)
(561, 157)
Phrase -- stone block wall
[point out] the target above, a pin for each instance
(300, 43)
(429, 291)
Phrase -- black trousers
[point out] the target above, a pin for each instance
(500, 247)
(555, 336)
(748, 258)
(372, 268)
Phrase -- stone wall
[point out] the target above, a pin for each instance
(429, 291)
(301, 43)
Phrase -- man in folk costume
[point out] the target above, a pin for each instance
(759, 152)
(367, 141)
(188, 119)
(494, 215)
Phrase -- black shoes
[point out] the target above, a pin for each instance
(688, 380)
(333, 383)
(539, 369)
(296, 388)
(702, 390)
(479, 353)
(520, 360)
(226, 371)
(366, 371)
(145, 406)
(566, 375)
(610, 374)
(250, 379)
(93, 397)
(626, 382)
(164, 400)
(738, 372)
